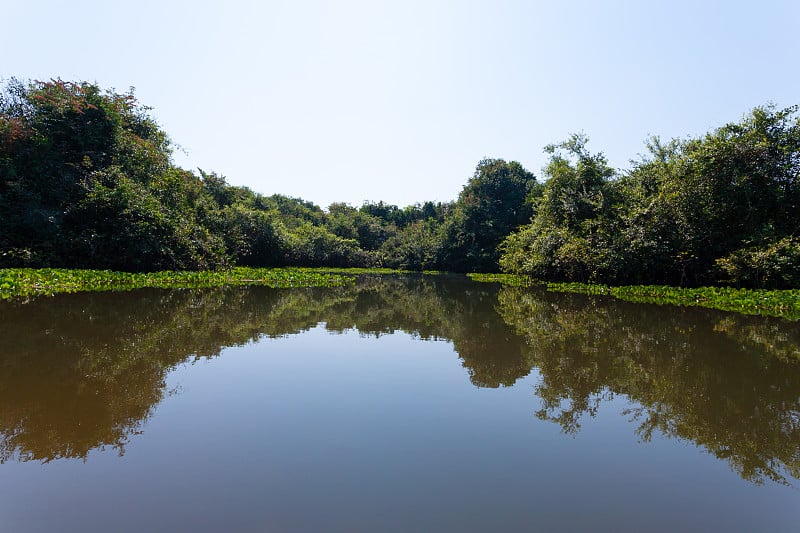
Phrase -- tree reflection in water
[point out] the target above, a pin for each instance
(85, 371)
(728, 383)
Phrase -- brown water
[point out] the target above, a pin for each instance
(403, 404)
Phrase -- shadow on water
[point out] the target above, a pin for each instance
(85, 371)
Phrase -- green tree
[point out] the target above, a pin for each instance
(87, 182)
(254, 237)
(702, 207)
(311, 245)
(121, 225)
(351, 223)
(415, 247)
(570, 236)
(491, 205)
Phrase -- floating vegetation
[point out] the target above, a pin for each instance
(514, 280)
(783, 303)
(27, 282)
(354, 271)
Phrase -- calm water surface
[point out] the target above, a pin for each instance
(402, 404)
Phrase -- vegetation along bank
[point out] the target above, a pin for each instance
(87, 182)
(779, 303)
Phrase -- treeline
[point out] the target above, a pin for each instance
(723, 208)
(87, 181)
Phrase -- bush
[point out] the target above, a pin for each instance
(772, 265)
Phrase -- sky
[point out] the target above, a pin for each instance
(353, 101)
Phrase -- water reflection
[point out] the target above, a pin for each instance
(82, 372)
(721, 381)
(85, 371)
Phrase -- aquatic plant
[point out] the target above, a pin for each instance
(780, 303)
(20, 283)
(514, 280)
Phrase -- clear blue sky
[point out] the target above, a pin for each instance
(398, 101)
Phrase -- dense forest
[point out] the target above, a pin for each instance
(87, 181)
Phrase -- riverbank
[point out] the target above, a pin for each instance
(23, 283)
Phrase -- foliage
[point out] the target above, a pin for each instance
(723, 208)
(64, 146)
(415, 247)
(24, 283)
(781, 303)
(402, 217)
(253, 237)
(569, 236)
(87, 181)
(122, 224)
(774, 264)
(350, 223)
(512, 280)
(493, 203)
(316, 246)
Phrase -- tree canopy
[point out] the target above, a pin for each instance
(87, 181)
(722, 208)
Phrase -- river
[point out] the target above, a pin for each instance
(405, 403)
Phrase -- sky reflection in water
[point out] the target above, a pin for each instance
(402, 403)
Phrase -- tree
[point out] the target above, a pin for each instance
(491, 205)
(716, 208)
(415, 247)
(570, 234)
(59, 140)
(351, 223)
(121, 225)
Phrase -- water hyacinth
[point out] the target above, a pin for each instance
(20, 283)
(514, 280)
(779, 303)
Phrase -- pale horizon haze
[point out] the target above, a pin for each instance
(355, 101)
